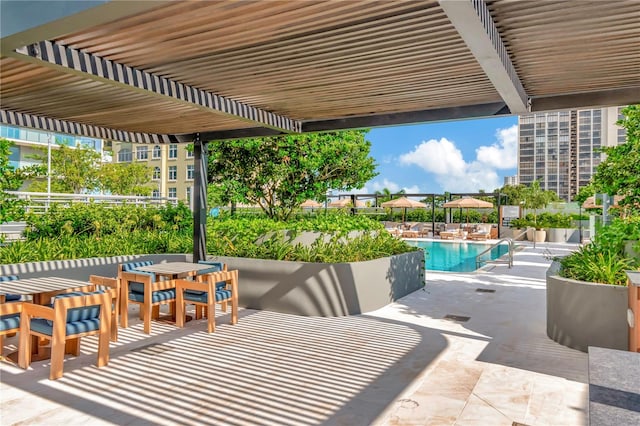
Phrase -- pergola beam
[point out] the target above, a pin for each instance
(74, 61)
(473, 21)
(79, 129)
(599, 99)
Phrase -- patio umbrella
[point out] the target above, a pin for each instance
(403, 202)
(345, 202)
(310, 203)
(468, 203)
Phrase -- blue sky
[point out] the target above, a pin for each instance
(454, 156)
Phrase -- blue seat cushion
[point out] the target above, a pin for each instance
(156, 296)
(10, 297)
(9, 322)
(78, 314)
(202, 298)
(130, 266)
(138, 287)
(42, 326)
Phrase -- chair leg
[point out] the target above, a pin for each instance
(180, 311)
(172, 310)
(146, 317)
(72, 346)
(211, 317)
(124, 311)
(25, 344)
(103, 349)
(223, 304)
(199, 310)
(234, 308)
(114, 327)
(57, 357)
(155, 312)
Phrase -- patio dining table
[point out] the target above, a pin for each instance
(174, 270)
(41, 290)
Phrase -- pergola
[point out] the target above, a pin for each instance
(177, 71)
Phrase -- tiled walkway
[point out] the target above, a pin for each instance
(404, 364)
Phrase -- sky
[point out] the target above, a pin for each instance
(454, 156)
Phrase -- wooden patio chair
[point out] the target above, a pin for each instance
(108, 283)
(73, 316)
(142, 289)
(9, 319)
(207, 294)
(201, 277)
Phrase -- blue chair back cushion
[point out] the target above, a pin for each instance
(138, 287)
(10, 297)
(156, 296)
(84, 313)
(202, 298)
(43, 326)
(130, 266)
(215, 267)
(9, 322)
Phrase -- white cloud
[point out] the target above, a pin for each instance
(453, 173)
(504, 153)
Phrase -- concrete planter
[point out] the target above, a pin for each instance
(539, 235)
(326, 289)
(314, 289)
(563, 235)
(581, 314)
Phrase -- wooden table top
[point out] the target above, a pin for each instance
(28, 286)
(173, 268)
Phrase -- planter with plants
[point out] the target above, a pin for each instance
(329, 265)
(559, 228)
(587, 294)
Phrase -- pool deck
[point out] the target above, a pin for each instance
(404, 364)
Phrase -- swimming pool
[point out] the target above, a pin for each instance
(457, 256)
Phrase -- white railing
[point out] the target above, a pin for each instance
(39, 202)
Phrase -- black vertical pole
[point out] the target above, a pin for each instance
(433, 215)
(200, 200)
(499, 197)
(353, 204)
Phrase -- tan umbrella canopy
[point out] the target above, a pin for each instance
(345, 202)
(403, 202)
(468, 203)
(310, 203)
(590, 202)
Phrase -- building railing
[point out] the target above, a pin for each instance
(38, 202)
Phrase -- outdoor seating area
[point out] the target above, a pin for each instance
(448, 231)
(50, 315)
(273, 368)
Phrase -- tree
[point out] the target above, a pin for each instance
(279, 173)
(11, 179)
(515, 194)
(126, 178)
(73, 170)
(536, 198)
(619, 173)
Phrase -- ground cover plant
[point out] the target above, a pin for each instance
(95, 230)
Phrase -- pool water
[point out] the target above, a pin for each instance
(457, 256)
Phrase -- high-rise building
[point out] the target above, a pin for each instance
(561, 149)
(511, 180)
(172, 165)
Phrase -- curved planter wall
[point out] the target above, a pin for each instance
(318, 289)
(326, 289)
(581, 314)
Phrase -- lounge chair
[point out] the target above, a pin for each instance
(483, 232)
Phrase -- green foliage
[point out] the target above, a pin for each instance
(535, 198)
(11, 179)
(279, 173)
(73, 170)
(618, 173)
(597, 265)
(515, 194)
(126, 179)
(604, 260)
(94, 230)
(97, 219)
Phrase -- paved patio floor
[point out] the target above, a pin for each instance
(405, 364)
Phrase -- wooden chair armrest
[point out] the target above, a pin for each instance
(191, 285)
(33, 310)
(11, 308)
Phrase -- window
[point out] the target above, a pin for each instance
(173, 193)
(173, 172)
(189, 153)
(157, 152)
(190, 171)
(156, 173)
(142, 153)
(173, 151)
(155, 193)
(188, 194)
(124, 155)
